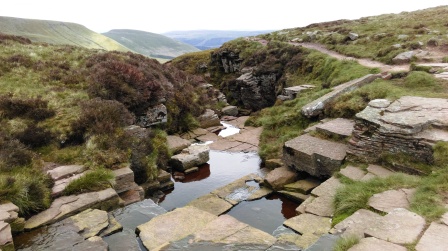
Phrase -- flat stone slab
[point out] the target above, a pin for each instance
(374, 244)
(303, 186)
(309, 223)
(435, 238)
(391, 199)
(192, 156)
(172, 226)
(299, 197)
(239, 122)
(212, 204)
(250, 135)
(67, 206)
(239, 190)
(228, 230)
(379, 171)
(356, 224)
(317, 106)
(5, 235)
(176, 143)
(321, 206)
(399, 226)
(279, 177)
(327, 188)
(306, 240)
(61, 184)
(62, 172)
(224, 144)
(8, 212)
(317, 157)
(90, 222)
(124, 180)
(339, 127)
(353, 173)
(301, 208)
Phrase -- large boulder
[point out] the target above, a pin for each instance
(230, 110)
(192, 156)
(176, 143)
(407, 56)
(208, 119)
(317, 157)
(280, 177)
(410, 125)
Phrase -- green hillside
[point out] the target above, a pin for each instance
(150, 44)
(54, 32)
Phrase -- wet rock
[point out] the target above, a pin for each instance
(391, 199)
(6, 241)
(163, 176)
(230, 110)
(273, 163)
(306, 240)
(279, 177)
(92, 244)
(399, 226)
(356, 224)
(339, 128)
(90, 222)
(113, 227)
(209, 119)
(309, 223)
(212, 204)
(176, 143)
(317, 157)
(192, 156)
(434, 238)
(62, 172)
(248, 135)
(410, 125)
(154, 116)
(133, 215)
(316, 107)
(125, 240)
(173, 226)
(299, 197)
(374, 244)
(303, 186)
(353, 173)
(239, 190)
(66, 206)
(192, 170)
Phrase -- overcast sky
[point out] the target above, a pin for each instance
(170, 15)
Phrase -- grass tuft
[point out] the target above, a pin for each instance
(95, 180)
(344, 244)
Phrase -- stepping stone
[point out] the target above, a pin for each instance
(62, 172)
(208, 137)
(172, 226)
(321, 206)
(374, 244)
(176, 143)
(302, 207)
(251, 136)
(340, 128)
(303, 186)
(353, 173)
(356, 224)
(317, 157)
(66, 206)
(306, 240)
(327, 188)
(223, 144)
(228, 230)
(299, 197)
(379, 171)
(309, 223)
(389, 200)
(238, 190)
(399, 226)
(212, 204)
(279, 177)
(90, 222)
(434, 239)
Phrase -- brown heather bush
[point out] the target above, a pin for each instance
(34, 136)
(13, 154)
(31, 108)
(4, 38)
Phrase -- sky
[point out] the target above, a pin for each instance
(174, 15)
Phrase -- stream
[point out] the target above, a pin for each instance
(267, 214)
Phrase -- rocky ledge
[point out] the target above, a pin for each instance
(409, 125)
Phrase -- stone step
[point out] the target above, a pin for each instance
(279, 177)
(301, 208)
(391, 199)
(338, 128)
(321, 206)
(327, 188)
(356, 224)
(62, 172)
(353, 173)
(303, 186)
(61, 184)
(176, 143)
(212, 204)
(379, 171)
(317, 157)
(132, 195)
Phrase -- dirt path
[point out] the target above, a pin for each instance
(362, 61)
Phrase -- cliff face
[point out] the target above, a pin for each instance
(410, 125)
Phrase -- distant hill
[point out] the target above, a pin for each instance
(209, 39)
(55, 32)
(150, 44)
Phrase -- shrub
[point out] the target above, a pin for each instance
(344, 244)
(95, 180)
(34, 136)
(31, 108)
(5, 37)
(13, 154)
(108, 150)
(420, 80)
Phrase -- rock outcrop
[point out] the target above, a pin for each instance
(176, 143)
(154, 115)
(126, 187)
(317, 107)
(410, 125)
(208, 119)
(228, 61)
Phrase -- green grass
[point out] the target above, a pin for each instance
(95, 180)
(344, 244)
